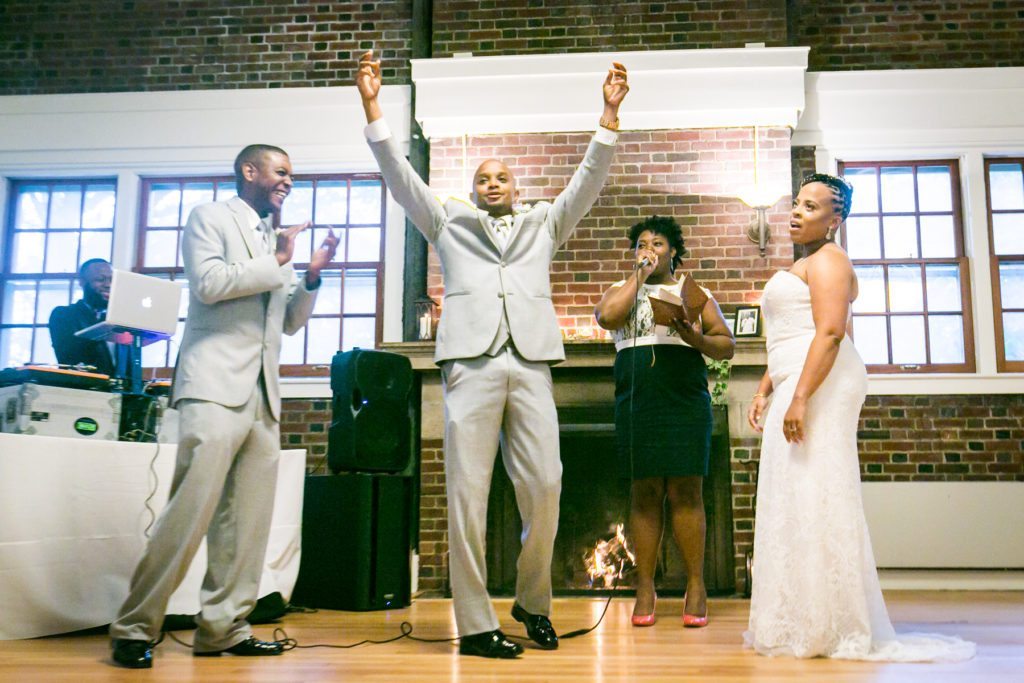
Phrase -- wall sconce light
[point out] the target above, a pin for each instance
(760, 198)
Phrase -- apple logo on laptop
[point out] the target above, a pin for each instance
(147, 302)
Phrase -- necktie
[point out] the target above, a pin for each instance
(501, 228)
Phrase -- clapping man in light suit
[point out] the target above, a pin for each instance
(243, 294)
(497, 338)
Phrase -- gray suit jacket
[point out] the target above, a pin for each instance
(240, 301)
(480, 278)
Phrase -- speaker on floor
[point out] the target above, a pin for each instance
(355, 542)
(371, 414)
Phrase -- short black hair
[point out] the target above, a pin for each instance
(252, 154)
(85, 266)
(665, 226)
(842, 191)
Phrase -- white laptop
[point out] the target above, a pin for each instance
(141, 304)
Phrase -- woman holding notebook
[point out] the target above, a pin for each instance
(661, 327)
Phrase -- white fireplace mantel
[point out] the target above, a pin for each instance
(562, 92)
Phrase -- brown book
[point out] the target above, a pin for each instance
(667, 307)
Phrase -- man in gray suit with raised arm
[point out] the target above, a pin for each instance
(243, 294)
(497, 338)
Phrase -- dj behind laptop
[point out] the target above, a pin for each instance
(75, 402)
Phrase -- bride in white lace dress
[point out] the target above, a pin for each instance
(815, 586)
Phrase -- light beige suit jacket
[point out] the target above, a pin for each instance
(240, 302)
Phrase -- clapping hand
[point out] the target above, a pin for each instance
(322, 257)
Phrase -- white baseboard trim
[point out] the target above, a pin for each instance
(951, 579)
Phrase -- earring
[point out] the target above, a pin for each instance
(828, 234)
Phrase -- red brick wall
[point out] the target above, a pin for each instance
(930, 34)
(688, 174)
(108, 45)
(907, 438)
(556, 26)
(433, 519)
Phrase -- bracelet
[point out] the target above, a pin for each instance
(759, 395)
(610, 125)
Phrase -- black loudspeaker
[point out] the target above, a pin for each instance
(355, 542)
(371, 422)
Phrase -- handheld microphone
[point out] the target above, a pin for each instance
(646, 261)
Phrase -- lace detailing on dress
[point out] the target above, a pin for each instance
(815, 585)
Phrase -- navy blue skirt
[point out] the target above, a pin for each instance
(662, 411)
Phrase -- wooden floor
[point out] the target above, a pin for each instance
(614, 652)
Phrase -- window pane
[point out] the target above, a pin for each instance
(226, 190)
(1013, 336)
(324, 339)
(359, 332)
(298, 207)
(865, 189)
(52, 293)
(62, 252)
(360, 291)
(27, 252)
(1008, 233)
(194, 195)
(934, 191)
(862, 238)
(1006, 186)
(328, 301)
(1011, 285)
(303, 247)
(31, 211)
(161, 248)
(331, 202)
(900, 236)
(15, 346)
(364, 244)
(95, 245)
(943, 288)
(366, 203)
(155, 355)
(871, 290)
(66, 206)
(905, 293)
(293, 348)
(42, 351)
(99, 207)
(946, 336)
(897, 190)
(164, 202)
(19, 302)
(908, 339)
(871, 339)
(937, 237)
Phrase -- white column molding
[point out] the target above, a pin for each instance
(562, 92)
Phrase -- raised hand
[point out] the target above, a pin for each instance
(286, 242)
(368, 76)
(615, 86)
(322, 257)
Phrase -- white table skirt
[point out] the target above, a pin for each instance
(72, 516)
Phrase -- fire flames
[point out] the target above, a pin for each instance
(610, 559)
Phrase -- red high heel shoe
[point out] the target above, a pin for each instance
(644, 619)
(692, 620)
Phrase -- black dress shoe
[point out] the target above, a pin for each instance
(134, 654)
(491, 644)
(538, 627)
(250, 647)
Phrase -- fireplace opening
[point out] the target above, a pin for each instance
(595, 498)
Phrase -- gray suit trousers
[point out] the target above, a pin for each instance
(486, 398)
(223, 488)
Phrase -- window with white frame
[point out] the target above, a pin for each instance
(1004, 186)
(54, 225)
(904, 236)
(348, 306)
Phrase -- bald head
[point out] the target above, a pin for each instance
(494, 188)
